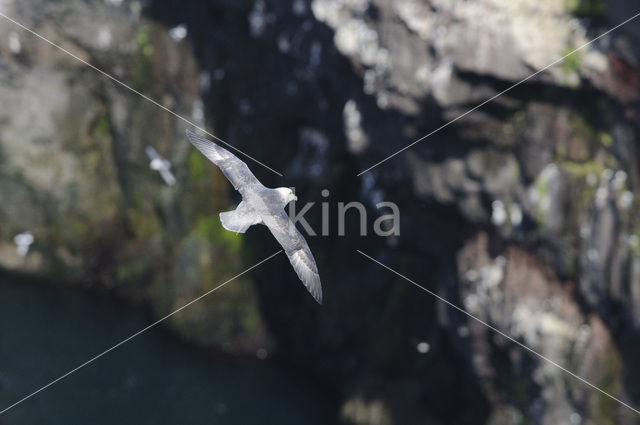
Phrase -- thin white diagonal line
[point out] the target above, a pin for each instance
(126, 86)
(499, 94)
(498, 331)
(135, 335)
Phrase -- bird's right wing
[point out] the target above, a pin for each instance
(297, 249)
(234, 169)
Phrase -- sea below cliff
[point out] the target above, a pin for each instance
(152, 379)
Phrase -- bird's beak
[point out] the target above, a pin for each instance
(295, 198)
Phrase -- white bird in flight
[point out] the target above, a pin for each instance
(161, 165)
(262, 205)
(23, 242)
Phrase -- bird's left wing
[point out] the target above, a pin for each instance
(297, 249)
(234, 169)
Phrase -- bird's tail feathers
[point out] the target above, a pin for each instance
(238, 220)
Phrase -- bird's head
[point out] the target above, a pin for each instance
(287, 194)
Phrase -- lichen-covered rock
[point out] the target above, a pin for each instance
(515, 293)
(74, 172)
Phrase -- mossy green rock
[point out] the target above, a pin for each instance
(74, 172)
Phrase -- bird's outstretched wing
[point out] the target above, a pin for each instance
(234, 169)
(297, 249)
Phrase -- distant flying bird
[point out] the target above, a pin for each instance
(262, 205)
(23, 243)
(161, 165)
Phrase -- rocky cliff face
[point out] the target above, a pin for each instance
(73, 168)
(524, 212)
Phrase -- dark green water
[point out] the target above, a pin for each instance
(150, 380)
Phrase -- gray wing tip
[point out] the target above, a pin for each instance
(207, 147)
(306, 269)
(195, 137)
(303, 263)
(191, 135)
(314, 287)
(316, 294)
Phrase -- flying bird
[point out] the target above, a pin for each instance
(262, 205)
(161, 165)
(23, 243)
